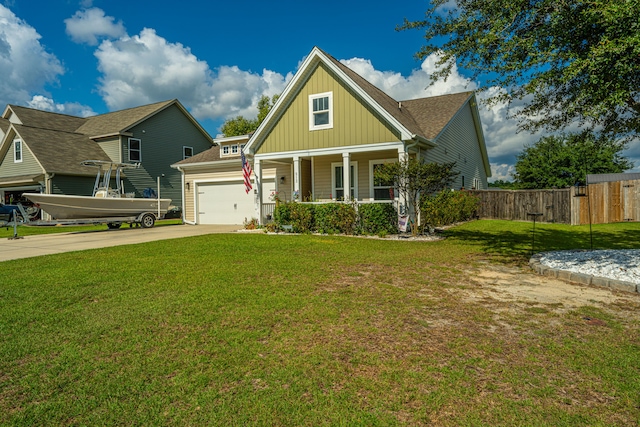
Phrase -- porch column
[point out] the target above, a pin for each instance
(257, 172)
(346, 175)
(296, 178)
(403, 209)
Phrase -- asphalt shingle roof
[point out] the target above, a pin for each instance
(61, 152)
(119, 121)
(210, 155)
(60, 142)
(424, 116)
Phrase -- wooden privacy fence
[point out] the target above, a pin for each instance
(554, 205)
(606, 201)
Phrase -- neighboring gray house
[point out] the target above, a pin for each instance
(41, 151)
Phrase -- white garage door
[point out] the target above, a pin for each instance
(224, 203)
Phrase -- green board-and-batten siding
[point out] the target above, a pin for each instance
(354, 123)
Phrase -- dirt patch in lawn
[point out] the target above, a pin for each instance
(520, 286)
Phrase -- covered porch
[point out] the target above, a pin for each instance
(321, 176)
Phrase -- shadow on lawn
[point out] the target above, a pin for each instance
(518, 244)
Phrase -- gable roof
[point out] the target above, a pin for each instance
(60, 152)
(60, 142)
(122, 120)
(46, 119)
(421, 120)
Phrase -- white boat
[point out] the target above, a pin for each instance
(106, 201)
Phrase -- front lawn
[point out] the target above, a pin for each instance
(253, 329)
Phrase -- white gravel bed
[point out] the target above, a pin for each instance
(613, 264)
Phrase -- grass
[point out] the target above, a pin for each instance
(310, 330)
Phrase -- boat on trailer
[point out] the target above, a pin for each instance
(110, 204)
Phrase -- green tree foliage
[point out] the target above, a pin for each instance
(507, 185)
(562, 161)
(413, 177)
(242, 126)
(570, 60)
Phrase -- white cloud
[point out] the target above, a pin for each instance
(71, 108)
(25, 66)
(147, 68)
(86, 26)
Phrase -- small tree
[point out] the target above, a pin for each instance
(561, 161)
(413, 177)
(242, 126)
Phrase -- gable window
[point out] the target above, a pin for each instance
(135, 150)
(381, 189)
(187, 152)
(337, 181)
(17, 151)
(225, 150)
(320, 111)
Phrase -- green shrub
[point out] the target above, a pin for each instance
(447, 207)
(378, 219)
(299, 216)
(332, 218)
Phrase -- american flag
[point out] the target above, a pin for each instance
(246, 173)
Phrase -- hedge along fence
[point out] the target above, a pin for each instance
(337, 218)
(448, 207)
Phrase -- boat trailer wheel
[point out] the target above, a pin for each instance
(148, 220)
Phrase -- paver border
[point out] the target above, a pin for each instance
(585, 279)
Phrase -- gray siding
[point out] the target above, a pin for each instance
(74, 185)
(28, 166)
(459, 143)
(162, 138)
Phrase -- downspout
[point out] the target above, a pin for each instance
(184, 206)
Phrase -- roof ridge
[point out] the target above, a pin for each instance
(47, 111)
(47, 128)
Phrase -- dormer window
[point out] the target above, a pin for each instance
(225, 150)
(320, 111)
(234, 149)
(17, 151)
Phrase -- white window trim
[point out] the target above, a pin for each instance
(17, 142)
(312, 125)
(184, 154)
(236, 148)
(371, 165)
(139, 150)
(225, 148)
(333, 179)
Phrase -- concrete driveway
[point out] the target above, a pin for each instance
(32, 246)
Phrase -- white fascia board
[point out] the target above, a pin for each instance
(317, 55)
(331, 151)
(281, 100)
(231, 139)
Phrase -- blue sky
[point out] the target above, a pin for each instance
(218, 58)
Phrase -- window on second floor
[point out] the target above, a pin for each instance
(135, 150)
(225, 150)
(320, 111)
(17, 151)
(187, 152)
(234, 149)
